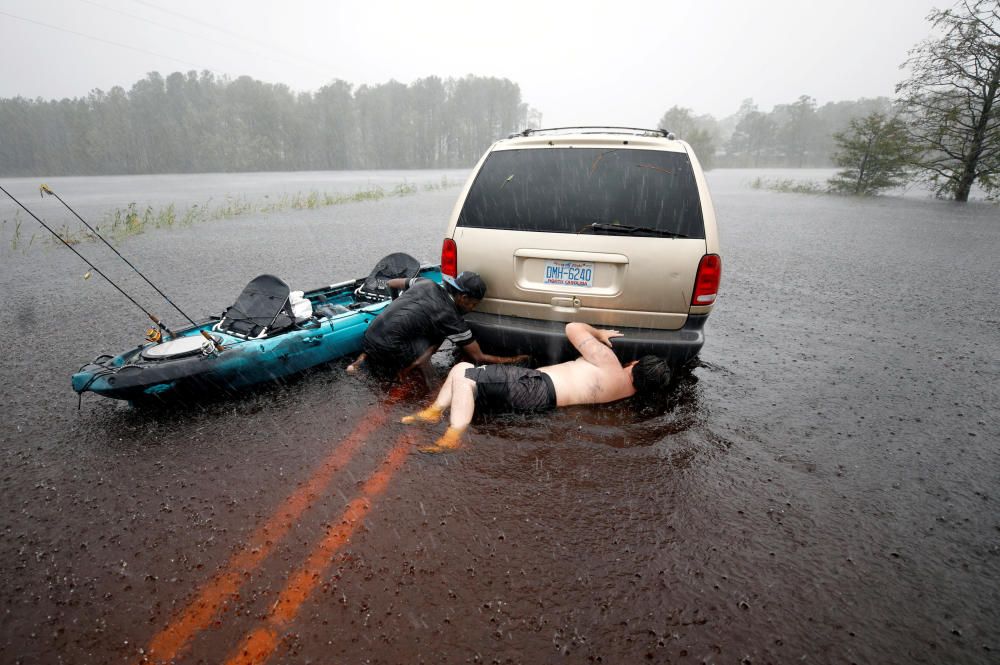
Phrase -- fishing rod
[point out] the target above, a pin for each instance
(151, 316)
(45, 189)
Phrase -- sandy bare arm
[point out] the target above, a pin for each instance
(593, 344)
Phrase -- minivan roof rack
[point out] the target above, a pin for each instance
(596, 129)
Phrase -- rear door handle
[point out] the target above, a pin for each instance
(565, 301)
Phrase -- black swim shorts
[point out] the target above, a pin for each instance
(512, 388)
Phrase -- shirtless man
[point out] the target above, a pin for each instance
(595, 377)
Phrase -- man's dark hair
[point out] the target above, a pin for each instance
(651, 375)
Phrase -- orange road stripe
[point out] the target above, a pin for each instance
(199, 613)
(260, 643)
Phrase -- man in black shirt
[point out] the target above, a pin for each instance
(408, 332)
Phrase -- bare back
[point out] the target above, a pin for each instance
(596, 377)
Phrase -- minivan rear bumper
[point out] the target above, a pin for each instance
(546, 341)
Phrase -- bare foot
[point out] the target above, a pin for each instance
(356, 365)
(450, 440)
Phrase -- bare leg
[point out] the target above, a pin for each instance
(444, 398)
(432, 414)
(463, 399)
(423, 362)
(463, 406)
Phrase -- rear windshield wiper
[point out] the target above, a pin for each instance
(627, 230)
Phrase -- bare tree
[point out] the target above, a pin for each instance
(951, 99)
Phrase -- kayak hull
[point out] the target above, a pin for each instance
(338, 331)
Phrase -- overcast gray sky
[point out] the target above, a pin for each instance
(577, 62)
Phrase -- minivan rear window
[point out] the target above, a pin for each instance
(567, 190)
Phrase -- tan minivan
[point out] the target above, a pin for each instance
(609, 226)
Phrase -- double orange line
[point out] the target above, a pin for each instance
(260, 643)
(199, 614)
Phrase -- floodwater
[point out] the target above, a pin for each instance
(822, 488)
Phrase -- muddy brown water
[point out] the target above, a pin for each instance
(822, 488)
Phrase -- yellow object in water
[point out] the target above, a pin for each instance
(450, 440)
(430, 415)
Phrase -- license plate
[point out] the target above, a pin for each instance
(569, 273)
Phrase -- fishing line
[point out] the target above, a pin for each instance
(152, 318)
(46, 190)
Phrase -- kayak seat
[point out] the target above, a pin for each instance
(375, 288)
(261, 309)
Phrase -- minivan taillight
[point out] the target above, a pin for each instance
(449, 257)
(706, 284)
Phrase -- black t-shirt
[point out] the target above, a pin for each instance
(423, 316)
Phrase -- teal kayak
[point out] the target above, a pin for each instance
(268, 334)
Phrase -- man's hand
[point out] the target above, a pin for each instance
(606, 336)
(476, 356)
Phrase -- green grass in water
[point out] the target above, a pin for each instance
(788, 186)
(121, 223)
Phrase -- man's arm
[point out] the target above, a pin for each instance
(478, 357)
(398, 283)
(593, 344)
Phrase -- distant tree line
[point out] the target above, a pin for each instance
(190, 123)
(943, 128)
(794, 135)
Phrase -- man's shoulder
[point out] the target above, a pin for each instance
(435, 293)
(425, 287)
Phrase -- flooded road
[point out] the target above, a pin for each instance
(822, 488)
